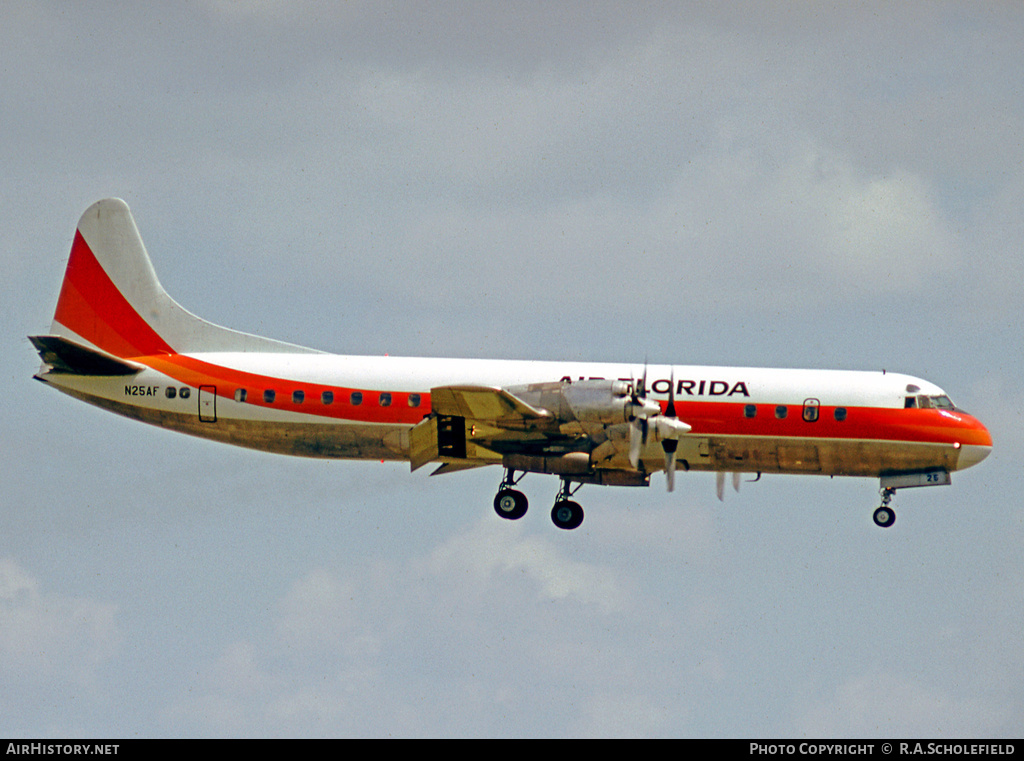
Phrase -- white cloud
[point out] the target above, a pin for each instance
(318, 609)
(621, 714)
(889, 705)
(49, 636)
(491, 555)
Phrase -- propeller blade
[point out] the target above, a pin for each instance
(670, 462)
(736, 482)
(720, 485)
(636, 441)
(670, 411)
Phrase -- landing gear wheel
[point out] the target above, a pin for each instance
(567, 514)
(884, 516)
(510, 504)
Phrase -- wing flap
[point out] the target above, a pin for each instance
(423, 446)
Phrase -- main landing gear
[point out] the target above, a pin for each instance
(885, 516)
(566, 513)
(511, 504)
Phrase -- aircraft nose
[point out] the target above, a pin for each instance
(976, 446)
(971, 454)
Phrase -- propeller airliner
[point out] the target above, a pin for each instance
(118, 341)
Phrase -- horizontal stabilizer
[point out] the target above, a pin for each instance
(66, 356)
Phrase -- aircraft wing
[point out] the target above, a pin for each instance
(571, 428)
(485, 404)
(465, 421)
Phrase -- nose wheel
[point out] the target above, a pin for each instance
(885, 516)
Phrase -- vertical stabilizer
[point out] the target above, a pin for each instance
(112, 300)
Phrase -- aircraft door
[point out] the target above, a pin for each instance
(207, 404)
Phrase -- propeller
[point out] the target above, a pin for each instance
(643, 414)
(670, 428)
(640, 410)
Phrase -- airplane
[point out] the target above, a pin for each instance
(120, 342)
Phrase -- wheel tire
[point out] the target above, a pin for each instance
(567, 514)
(884, 517)
(510, 504)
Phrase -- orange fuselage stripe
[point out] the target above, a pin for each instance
(706, 418)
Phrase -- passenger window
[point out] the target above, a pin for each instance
(811, 410)
(750, 410)
(269, 395)
(327, 397)
(240, 394)
(385, 399)
(171, 392)
(356, 398)
(184, 393)
(840, 414)
(414, 400)
(298, 397)
(781, 411)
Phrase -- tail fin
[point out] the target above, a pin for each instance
(112, 301)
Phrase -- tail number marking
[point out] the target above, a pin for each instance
(134, 390)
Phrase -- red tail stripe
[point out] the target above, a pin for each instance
(93, 307)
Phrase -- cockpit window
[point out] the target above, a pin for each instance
(938, 402)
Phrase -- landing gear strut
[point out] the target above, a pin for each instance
(567, 514)
(885, 516)
(509, 503)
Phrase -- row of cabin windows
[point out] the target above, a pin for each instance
(810, 412)
(355, 398)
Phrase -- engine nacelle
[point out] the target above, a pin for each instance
(607, 402)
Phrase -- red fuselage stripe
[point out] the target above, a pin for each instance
(706, 418)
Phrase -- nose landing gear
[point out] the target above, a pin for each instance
(885, 516)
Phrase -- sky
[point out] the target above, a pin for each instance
(800, 184)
